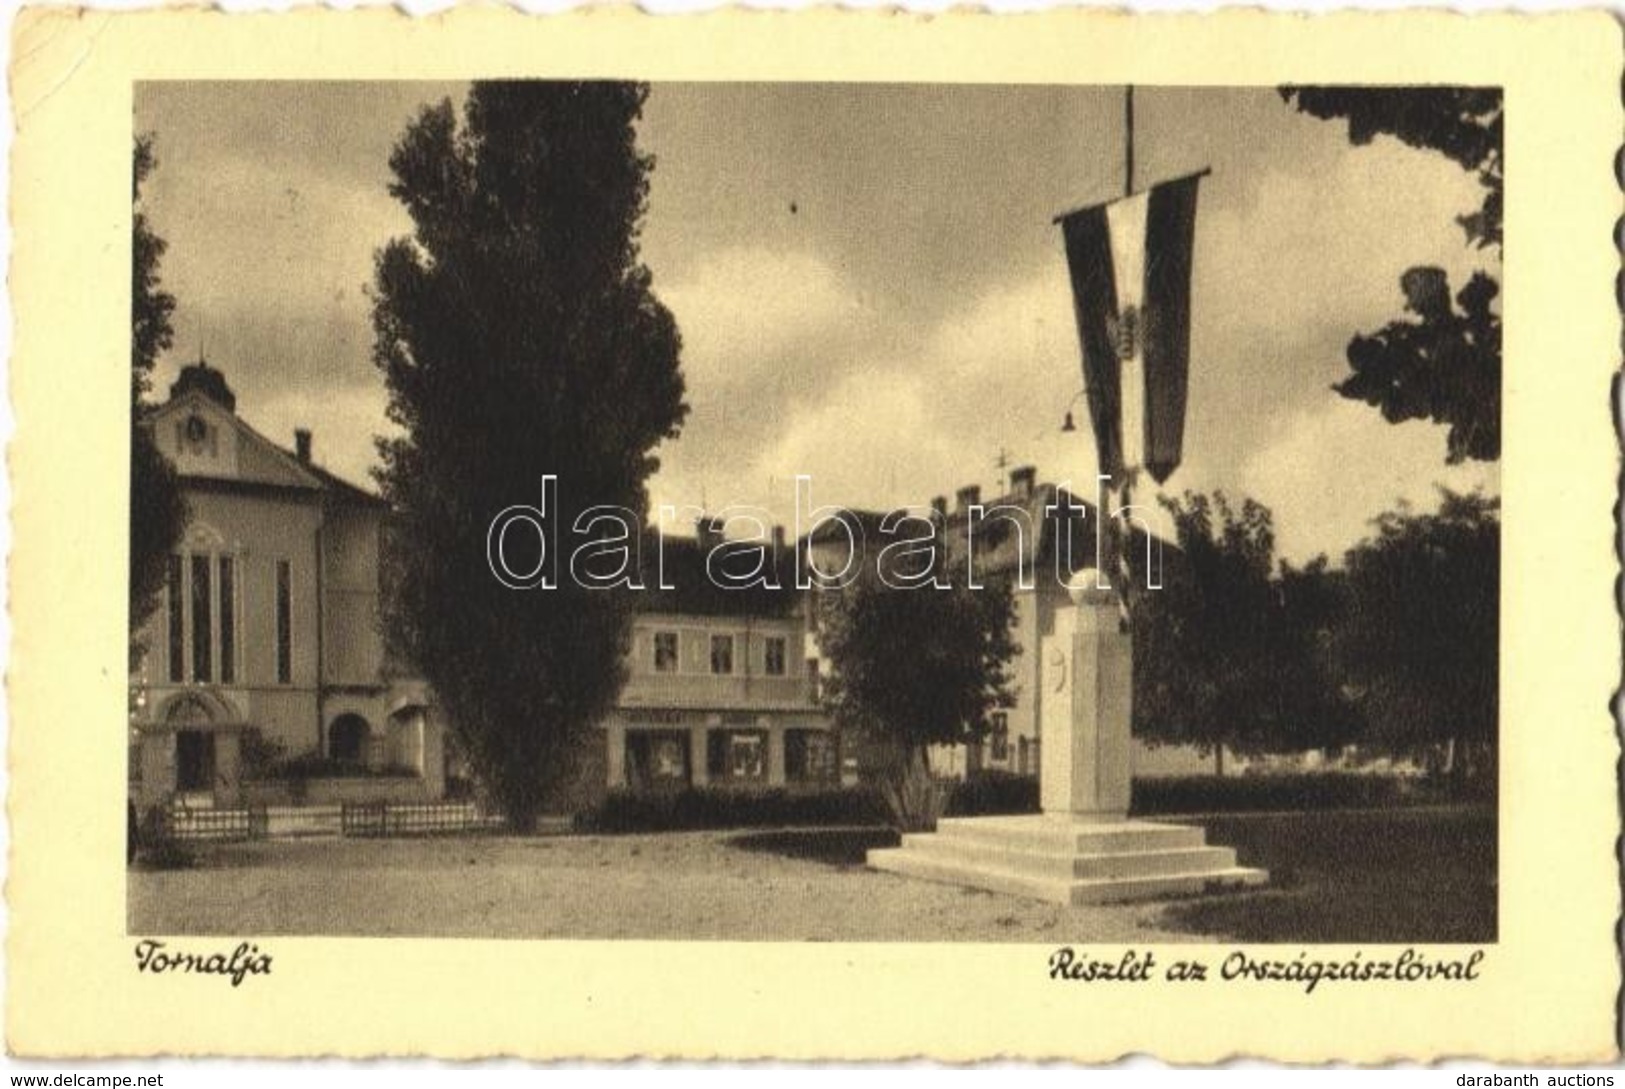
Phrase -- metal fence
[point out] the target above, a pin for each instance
(214, 824)
(396, 819)
(364, 819)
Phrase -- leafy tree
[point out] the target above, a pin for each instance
(1229, 653)
(912, 668)
(1444, 362)
(518, 335)
(157, 511)
(1420, 641)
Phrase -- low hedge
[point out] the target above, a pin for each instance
(623, 811)
(992, 793)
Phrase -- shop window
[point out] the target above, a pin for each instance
(656, 759)
(738, 755)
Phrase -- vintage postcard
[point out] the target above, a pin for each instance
(814, 536)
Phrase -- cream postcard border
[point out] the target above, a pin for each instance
(1548, 987)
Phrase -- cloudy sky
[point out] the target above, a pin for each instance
(868, 283)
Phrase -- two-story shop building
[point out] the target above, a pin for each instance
(719, 692)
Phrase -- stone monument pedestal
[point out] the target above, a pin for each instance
(1082, 849)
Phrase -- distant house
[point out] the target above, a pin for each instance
(719, 692)
(1039, 529)
(267, 636)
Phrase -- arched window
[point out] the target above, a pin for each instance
(200, 591)
(347, 738)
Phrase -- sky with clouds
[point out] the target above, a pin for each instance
(867, 279)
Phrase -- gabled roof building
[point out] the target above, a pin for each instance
(266, 641)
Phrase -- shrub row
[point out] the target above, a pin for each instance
(994, 792)
(991, 793)
(622, 811)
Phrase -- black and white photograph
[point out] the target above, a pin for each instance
(785, 512)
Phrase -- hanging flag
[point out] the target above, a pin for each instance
(1130, 261)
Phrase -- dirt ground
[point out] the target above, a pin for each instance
(1406, 875)
(735, 886)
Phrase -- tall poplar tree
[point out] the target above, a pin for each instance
(519, 336)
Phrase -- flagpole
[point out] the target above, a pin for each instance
(1125, 491)
(1128, 140)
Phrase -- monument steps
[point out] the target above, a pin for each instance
(1065, 834)
(1069, 862)
(1065, 864)
(1083, 848)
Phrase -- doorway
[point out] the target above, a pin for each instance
(194, 760)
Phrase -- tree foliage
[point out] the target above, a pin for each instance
(1443, 362)
(519, 335)
(1230, 652)
(157, 510)
(1396, 650)
(912, 668)
(1419, 641)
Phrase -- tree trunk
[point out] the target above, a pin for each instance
(913, 796)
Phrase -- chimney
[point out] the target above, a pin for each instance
(709, 532)
(939, 507)
(969, 496)
(1023, 480)
(301, 444)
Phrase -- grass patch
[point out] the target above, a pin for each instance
(1320, 790)
(1410, 875)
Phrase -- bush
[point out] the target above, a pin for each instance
(314, 765)
(623, 811)
(259, 756)
(1309, 790)
(156, 851)
(994, 793)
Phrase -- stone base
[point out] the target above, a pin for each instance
(1068, 861)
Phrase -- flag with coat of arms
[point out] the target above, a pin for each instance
(1130, 261)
